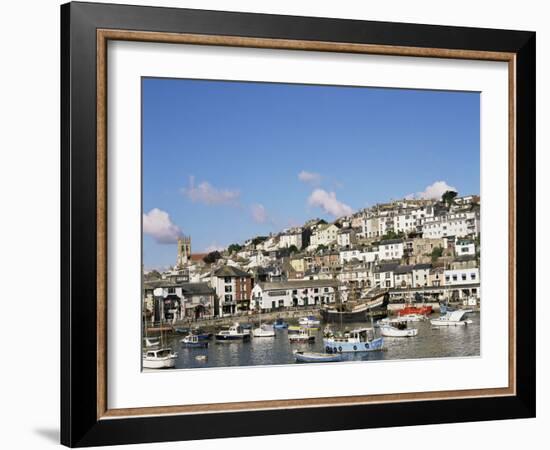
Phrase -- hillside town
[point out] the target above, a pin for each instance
(411, 249)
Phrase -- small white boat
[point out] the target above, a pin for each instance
(302, 336)
(264, 331)
(162, 358)
(398, 330)
(312, 357)
(193, 340)
(152, 342)
(453, 319)
(309, 321)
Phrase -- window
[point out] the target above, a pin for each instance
(455, 277)
(387, 275)
(463, 277)
(447, 278)
(227, 279)
(295, 291)
(228, 288)
(316, 290)
(172, 290)
(473, 276)
(228, 298)
(326, 289)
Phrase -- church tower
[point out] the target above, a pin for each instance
(184, 251)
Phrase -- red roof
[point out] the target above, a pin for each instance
(198, 256)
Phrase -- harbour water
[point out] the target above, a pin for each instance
(431, 342)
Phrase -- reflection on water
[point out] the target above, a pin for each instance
(431, 342)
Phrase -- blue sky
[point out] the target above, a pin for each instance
(224, 161)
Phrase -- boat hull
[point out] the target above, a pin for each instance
(449, 323)
(232, 338)
(160, 363)
(311, 357)
(332, 346)
(194, 344)
(395, 332)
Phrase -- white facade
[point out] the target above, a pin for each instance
(459, 277)
(324, 235)
(465, 248)
(289, 239)
(293, 293)
(345, 238)
(390, 249)
(456, 224)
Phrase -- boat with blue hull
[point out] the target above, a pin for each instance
(234, 333)
(358, 340)
(280, 324)
(192, 341)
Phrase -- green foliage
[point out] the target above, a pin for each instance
(258, 240)
(392, 235)
(292, 249)
(152, 275)
(212, 257)
(234, 248)
(321, 248)
(448, 197)
(437, 252)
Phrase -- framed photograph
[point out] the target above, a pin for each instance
(277, 224)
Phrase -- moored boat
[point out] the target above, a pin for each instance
(316, 357)
(302, 336)
(452, 319)
(193, 340)
(280, 324)
(162, 358)
(423, 310)
(399, 329)
(309, 321)
(264, 331)
(358, 340)
(233, 333)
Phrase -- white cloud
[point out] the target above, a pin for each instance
(213, 247)
(433, 191)
(309, 177)
(209, 195)
(328, 202)
(259, 214)
(158, 225)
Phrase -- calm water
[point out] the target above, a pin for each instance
(430, 342)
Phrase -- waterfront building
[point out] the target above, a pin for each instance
(421, 275)
(292, 237)
(233, 288)
(384, 274)
(403, 277)
(459, 224)
(176, 301)
(269, 296)
(455, 277)
(436, 277)
(465, 247)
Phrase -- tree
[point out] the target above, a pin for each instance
(321, 248)
(292, 249)
(258, 240)
(212, 257)
(392, 235)
(449, 197)
(436, 253)
(234, 248)
(152, 275)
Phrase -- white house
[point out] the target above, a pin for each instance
(464, 247)
(421, 275)
(346, 237)
(458, 224)
(290, 238)
(268, 296)
(459, 277)
(390, 249)
(324, 235)
(384, 275)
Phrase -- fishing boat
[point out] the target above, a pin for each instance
(399, 329)
(452, 319)
(356, 311)
(264, 330)
(302, 336)
(162, 358)
(315, 357)
(358, 340)
(309, 321)
(193, 340)
(293, 329)
(233, 333)
(152, 342)
(422, 310)
(280, 324)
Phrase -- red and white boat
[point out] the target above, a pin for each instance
(423, 310)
